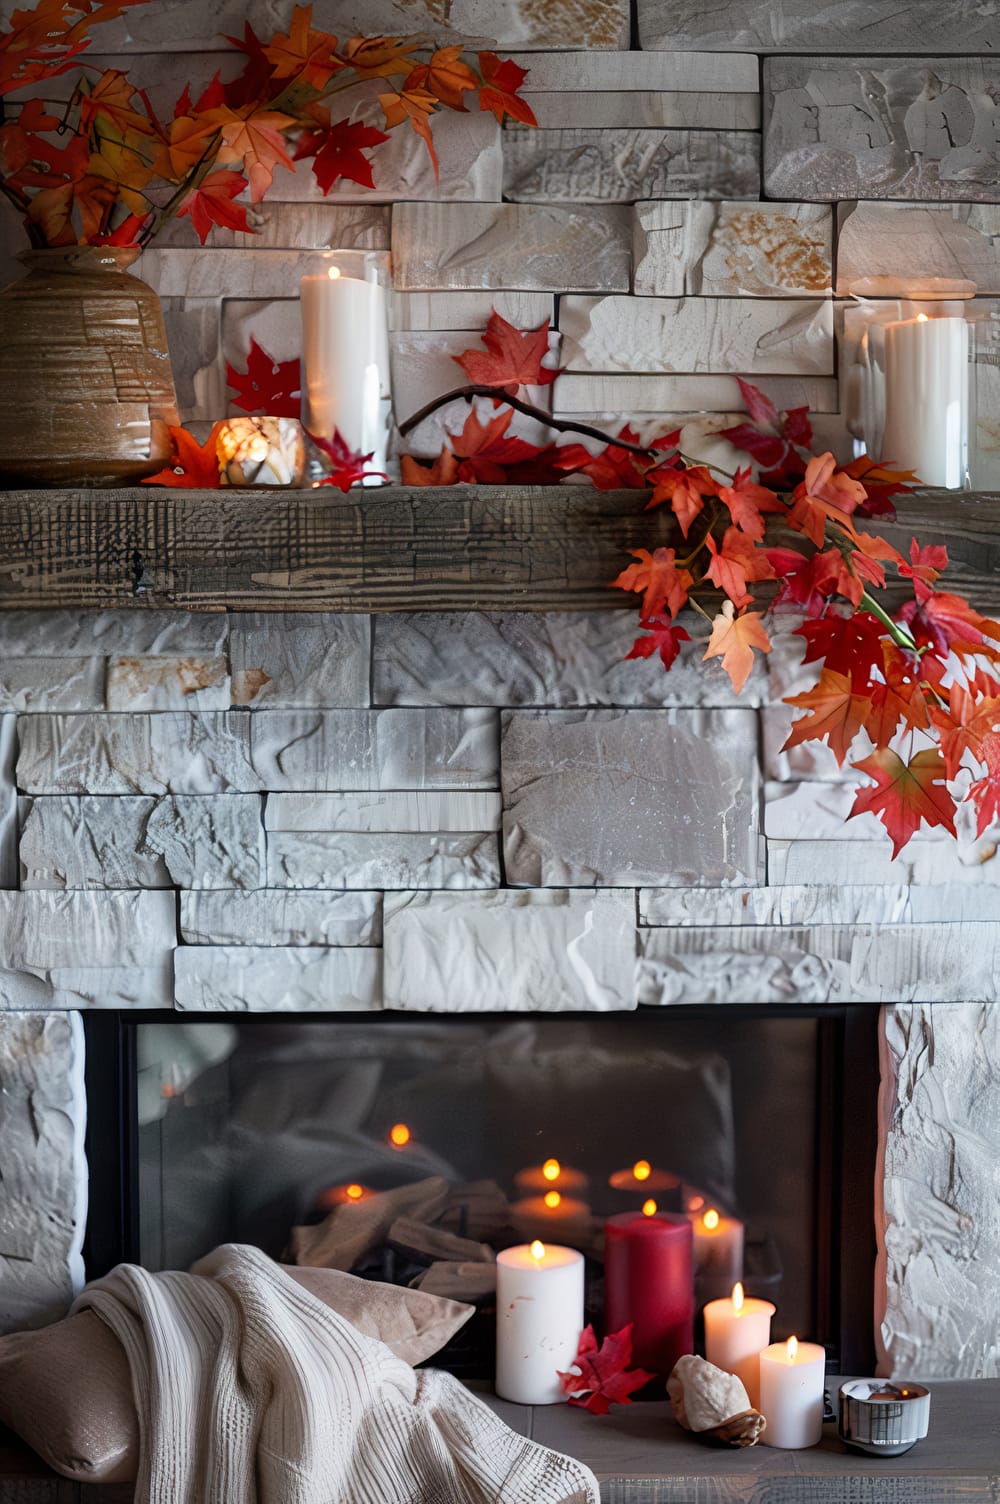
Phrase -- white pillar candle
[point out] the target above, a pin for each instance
(927, 399)
(736, 1332)
(718, 1251)
(539, 1320)
(791, 1393)
(345, 361)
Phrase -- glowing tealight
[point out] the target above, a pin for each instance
(649, 1208)
(791, 1348)
(537, 1251)
(354, 1192)
(399, 1135)
(551, 1169)
(737, 1297)
(642, 1169)
(710, 1220)
(921, 318)
(333, 273)
(552, 1199)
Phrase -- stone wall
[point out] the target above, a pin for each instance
(311, 812)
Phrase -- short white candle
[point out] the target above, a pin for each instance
(539, 1320)
(736, 1332)
(345, 361)
(927, 398)
(791, 1393)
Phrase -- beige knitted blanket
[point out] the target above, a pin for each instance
(251, 1391)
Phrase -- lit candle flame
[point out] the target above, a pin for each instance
(922, 318)
(333, 272)
(354, 1192)
(710, 1220)
(552, 1199)
(399, 1135)
(649, 1208)
(642, 1169)
(737, 1297)
(552, 1169)
(791, 1348)
(537, 1251)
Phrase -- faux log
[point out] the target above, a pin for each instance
(393, 549)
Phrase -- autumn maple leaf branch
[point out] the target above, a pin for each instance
(561, 425)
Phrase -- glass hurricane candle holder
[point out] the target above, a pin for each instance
(346, 384)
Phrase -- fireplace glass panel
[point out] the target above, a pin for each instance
(246, 1129)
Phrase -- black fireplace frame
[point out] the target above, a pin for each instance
(846, 1151)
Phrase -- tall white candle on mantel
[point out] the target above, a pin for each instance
(927, 398)
(737, 1329)
(345, 360)
(539, 1320)
(791, 1393)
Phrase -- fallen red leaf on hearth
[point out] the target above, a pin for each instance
(268, 387)
(605, 1377)
(191, 464)
(513, 358)
(348, 467)
(905, 794)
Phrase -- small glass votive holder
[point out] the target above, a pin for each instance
(881, 1418)
(346, 380)
(260, 452)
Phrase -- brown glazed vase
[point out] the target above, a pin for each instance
(86, 389)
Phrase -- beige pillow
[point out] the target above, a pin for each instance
(66, 1390)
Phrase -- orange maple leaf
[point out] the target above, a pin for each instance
(417, 106)
(837, 714)
(905, 793)
(183, 145)
(379, 57)
(498, 94)
(514, 358)
(747, 502)
(445, 76)
(303, 53)
(191, 464)
(255, 140)
(443, 472)
(684, 489)
(733, 640)
(665, 586)
(110, 101)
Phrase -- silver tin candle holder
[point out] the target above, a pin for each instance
(882, 1418)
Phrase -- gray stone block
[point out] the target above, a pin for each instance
(643, 108)
(552, 658)
(62, 634)
(160, 683)
(732, 250)
(510, 952)
(899, 250)
(9, 867)
(398, 810)
(209, 843)
(390, 860)
(43, 1172)
(469, 310)
(909, 128)
(241, 751)
(817, 26)
(685, 394)
(620, 166)
(938, 1214)
(44, 931)
(849, 903)
(276, 916)
(193, 334)
(35, 684)
(277, 979)
(296, 227)
(620, 72)
(627, 334)
(630, 797)
(923, 862)
(546, 248)
(70, 843)
(287, 658)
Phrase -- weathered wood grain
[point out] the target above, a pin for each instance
(456, 548)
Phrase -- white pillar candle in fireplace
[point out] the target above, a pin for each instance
(927, 398)
(345, 353)
(791, 1393)
(737, 1329)
(539, 1320)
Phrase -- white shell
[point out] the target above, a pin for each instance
(704, 1396)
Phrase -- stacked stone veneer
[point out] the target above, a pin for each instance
(317, 812)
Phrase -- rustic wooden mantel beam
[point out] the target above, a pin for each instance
(393, 549)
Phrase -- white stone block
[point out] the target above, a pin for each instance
(921, 862)
(241, 751)
(469, 310)
(732, 249)
(41, 932)
(424, 368)
(540, 247)
(900, 250)
(278, 916)
(643, 108)
(510, 952)
(161, 683)
(346, 859)
(696, 334)
(308, 658)
(607, 393)
(35, 684)
(209, 843)
(278, 979)
(817, 25)
(192, 326)
(60, 634)
(620, 166)
(69, 987)
(43, 1170)
(79, 843)
(845, 904)
(417, 811)
(295, 227)
(615, 797)
(620, 72)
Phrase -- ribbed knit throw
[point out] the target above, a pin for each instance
(251, 1391)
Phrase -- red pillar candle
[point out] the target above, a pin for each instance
(649, 1281)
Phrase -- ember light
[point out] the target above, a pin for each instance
(641, 1169)
(399, 1135)
(551, 1168)
(552, 1198)
(354, 1192)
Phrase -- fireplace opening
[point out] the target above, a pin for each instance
(235, 1128)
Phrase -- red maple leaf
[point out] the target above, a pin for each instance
(985, 792)
(748, 502)
(735, 563)
(836, 714)
(905, 793)
(797, 577)
(486, 451)
(191, 464)
(926, 563)
(513, 358)
(337, 150)
(964, 725)
(850, 645)
(267, 387)
(657, 575)
(611, 469)
(347, 465)
(943, 622)
(606, 1377)
(498, 92)
(771, 438)
(684, 488)
(880, 483)
(212, 204)
(664, 638)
